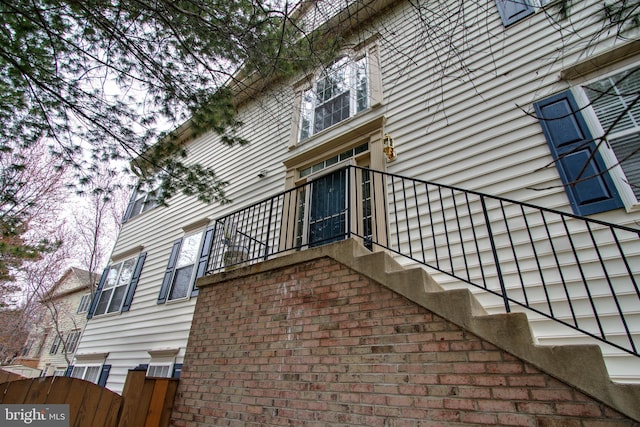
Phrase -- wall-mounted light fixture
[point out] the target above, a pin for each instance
(388, 148)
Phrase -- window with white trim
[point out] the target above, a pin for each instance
(614, 100)
(115, 287)
(141, 201)
(88, 372)
(184, 272)
(340, 91)
(159, 370)
(84, 303)
(71, 343)
(57, 341)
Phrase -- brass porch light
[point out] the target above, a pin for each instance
(388, 148)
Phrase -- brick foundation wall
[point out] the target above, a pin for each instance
(316, 344)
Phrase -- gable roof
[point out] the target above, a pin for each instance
(84, 279)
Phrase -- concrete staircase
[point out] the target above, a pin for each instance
(621, 366)
(511, 332)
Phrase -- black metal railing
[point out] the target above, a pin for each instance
(580, 272)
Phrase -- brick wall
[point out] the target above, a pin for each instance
(316, 344)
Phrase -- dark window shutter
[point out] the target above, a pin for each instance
(512, 11)
(69, 370)
(134, 282)
(96, 296)
(177, 370)
(588, 184)
(132, 201)
(205, 251)
(168, 274)
(104, 374)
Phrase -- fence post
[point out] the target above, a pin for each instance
(132, 415)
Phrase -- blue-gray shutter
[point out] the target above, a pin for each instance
(69, 370)
(134, 282)
(168, 274)
(104, 374)
(512, 11)
(205, 251)
(177, 370)
(96, 296)
(586, 181)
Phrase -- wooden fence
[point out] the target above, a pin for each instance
(145, 402)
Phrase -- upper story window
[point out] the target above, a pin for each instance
(117, 286)
(141, 201)
(187, 261)
(340, 91)
(71, 342)
(612, 101)
(84, 303)
(57, 341)
(183, 275)
(112, 294)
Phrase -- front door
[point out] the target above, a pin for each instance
(327, 211)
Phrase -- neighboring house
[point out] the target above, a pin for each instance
(54, 337)
(470, 108)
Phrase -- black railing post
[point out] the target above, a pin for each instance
(349, 201)
(266, 246)
(503, 288)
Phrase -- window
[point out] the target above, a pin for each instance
(181, 271)
(117, 286)
(95, 373)
(340, 91)
(84, 303)
(141, 201)
(56, 344)
(159, 371)
(72, 341)
(112, 294)
(611, 99)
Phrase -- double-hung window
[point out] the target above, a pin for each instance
(57, 341)
(84, 303)
(113, 292)
(95, 373)
(141, 201)
(187, 261)
(71, 342)
(340, 91)
(614, 100)
(117, 286)
(89, 373)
